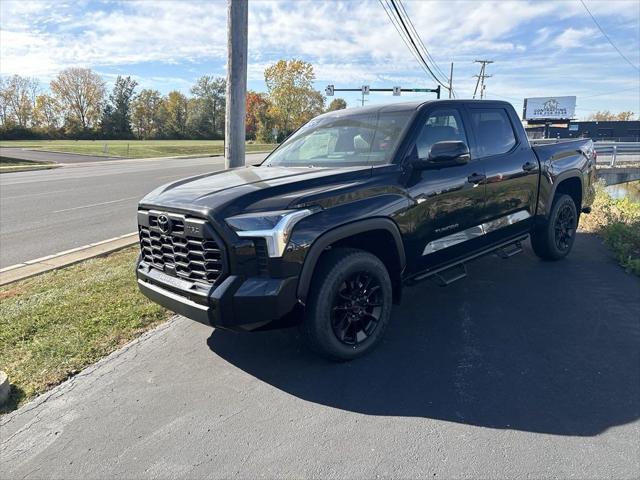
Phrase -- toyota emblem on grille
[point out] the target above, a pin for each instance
(164, 224)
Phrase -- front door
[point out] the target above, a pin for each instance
(445, 202)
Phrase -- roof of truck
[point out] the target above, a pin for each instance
(402, 106)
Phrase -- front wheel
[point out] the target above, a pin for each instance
(350, 304)
(554, 239)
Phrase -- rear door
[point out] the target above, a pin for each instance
(510, 166)
(446, 202)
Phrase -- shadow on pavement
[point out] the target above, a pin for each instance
(520, 344)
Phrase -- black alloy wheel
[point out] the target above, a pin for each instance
(357, 307)
(565, 227)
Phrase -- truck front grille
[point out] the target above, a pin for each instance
(188, 250)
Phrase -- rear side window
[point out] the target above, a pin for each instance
(493, 131)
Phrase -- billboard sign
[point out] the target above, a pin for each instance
(549, 108)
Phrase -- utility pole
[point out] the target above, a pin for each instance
(451, 81)
(234, 128)
(481, 77)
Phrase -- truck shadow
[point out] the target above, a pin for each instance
(519, 344)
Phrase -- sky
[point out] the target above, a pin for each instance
(539, 48)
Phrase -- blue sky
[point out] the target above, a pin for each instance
(540, 48)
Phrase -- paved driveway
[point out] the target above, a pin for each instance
(525, 369)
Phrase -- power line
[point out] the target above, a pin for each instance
(393, 3)
(444, 77)
(403, 32)
(607, 36)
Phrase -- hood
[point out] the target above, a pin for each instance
(248, 189)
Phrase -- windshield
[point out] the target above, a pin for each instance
(343, 141)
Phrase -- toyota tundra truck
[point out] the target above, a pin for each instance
(353, 207)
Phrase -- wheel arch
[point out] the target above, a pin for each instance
(569, 183)
(383, 239)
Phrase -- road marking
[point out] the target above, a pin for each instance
(95, 204)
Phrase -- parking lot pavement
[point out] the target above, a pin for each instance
(525, 369)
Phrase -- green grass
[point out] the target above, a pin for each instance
(133, 148)
(54, 325)
(618, 223)
(15, 165)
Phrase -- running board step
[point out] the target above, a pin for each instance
(448, 276)
(509, 251)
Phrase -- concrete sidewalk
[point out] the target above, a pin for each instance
(526, 369)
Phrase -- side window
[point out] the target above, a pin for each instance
(440, 126)
(494, 132)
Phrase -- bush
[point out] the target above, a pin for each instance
(618, 223)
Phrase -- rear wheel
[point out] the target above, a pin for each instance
(554, 240)
(349, 305)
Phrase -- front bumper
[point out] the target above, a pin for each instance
(238, 303)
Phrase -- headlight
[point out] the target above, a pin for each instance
(274, 227)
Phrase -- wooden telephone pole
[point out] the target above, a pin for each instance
(234, 128)
(481, 77)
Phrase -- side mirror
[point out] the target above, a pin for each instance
(445, 154)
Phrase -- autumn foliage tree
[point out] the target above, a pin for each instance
(337, 104)
(294, 101)
(607, 116)
(257, 112)
(80, 93)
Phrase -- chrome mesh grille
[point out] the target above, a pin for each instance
(191, 257)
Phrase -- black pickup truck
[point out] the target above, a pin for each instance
(352, 207)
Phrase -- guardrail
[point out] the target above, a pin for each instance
(618, 152)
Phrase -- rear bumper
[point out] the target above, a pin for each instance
(238, 303)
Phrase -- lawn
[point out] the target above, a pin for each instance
(54, 325)
(133, 148)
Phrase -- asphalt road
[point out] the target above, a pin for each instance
(525, 369)
(42, 156)
(48, 211)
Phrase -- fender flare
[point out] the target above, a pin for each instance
(573, 173)
(339, 233)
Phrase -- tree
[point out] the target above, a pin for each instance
(257, 108)
(80, 93)
(208, 116)
(603, 116)
(148, 114)
(625, 116)
(607, 116)
(294, 101)
(120, 99)
(46, 113)
(177, 107)
(19, 93)
(337, 104)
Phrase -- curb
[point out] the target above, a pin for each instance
(5, 388)
(28, 269)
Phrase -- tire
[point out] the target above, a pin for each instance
(555, 238)
(349, 304)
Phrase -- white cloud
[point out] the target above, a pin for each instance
(349, 42)
(573, 37)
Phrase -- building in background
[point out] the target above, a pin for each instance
(619, 131)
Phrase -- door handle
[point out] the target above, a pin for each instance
(527, 167)
(476, 178)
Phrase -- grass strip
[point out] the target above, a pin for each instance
(8, 164)
(54, 325)
(617, 221)
(134, 148)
